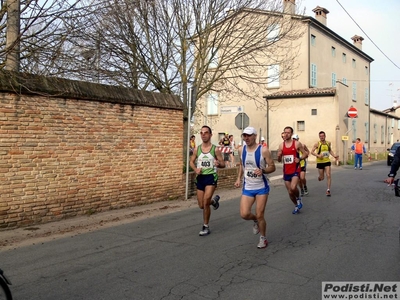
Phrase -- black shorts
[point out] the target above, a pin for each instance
(203, 180)
(323, 165)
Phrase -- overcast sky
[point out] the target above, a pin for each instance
(380, 20)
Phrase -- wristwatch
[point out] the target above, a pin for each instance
(391, 175)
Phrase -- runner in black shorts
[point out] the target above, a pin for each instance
(204, 160)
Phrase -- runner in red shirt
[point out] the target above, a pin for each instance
(288, 154)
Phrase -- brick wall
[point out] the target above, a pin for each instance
(70, 148)
(226, 179)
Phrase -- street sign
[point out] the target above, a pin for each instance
(352, 112)
(242, 121)
(345, 137)
(231, 109)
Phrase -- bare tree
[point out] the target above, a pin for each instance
(173, 45)
(34, 34)
(158, 45)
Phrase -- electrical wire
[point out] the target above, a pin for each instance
(367, 35)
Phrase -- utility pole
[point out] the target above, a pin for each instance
(12, 35)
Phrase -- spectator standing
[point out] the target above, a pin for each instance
(225, 142)
(232, 154)
(359, 150)
(192, 144)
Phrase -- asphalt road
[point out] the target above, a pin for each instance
(351, 236)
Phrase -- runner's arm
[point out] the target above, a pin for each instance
(241, 171)
(304, 152)
(331, 152)
(307, 150)
(280, 153)
(313, 150)
(192, 161)
(220, 163)
(270, 168)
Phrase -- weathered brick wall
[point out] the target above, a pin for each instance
(70, 148)
(226, 180)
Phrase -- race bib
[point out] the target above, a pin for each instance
(250, 174)
(288, 159)
(204, 164)
(325, 154)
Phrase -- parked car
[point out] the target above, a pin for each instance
(391, 153)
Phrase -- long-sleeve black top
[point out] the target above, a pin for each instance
(395, 163)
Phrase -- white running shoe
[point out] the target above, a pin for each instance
(263, 243)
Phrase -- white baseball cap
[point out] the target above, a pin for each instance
(262, 138)
(295, 136)
(249, 131)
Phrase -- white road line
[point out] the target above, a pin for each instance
(275, 177)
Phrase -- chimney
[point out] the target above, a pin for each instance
(289, 7)
(357, 41)
(320, 14)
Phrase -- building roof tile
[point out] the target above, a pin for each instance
(311, 92)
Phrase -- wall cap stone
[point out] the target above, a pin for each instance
(29, 84)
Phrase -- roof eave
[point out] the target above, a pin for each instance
(331, 32)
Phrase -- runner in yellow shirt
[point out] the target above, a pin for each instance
(322, 150)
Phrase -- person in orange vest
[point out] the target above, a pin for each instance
(359, 149)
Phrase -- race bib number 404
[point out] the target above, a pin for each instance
(288, 159)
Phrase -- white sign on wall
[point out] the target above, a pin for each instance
(231, 109)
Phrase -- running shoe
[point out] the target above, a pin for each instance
(205, 231)
(256, 229)
(299, 204)
(355, 168)
(305, 190)
(301, 193)
(215, 202)
(263, 243)
(296, 210)
(360, 168)
(328, 193)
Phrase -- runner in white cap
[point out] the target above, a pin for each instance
(255, 162)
